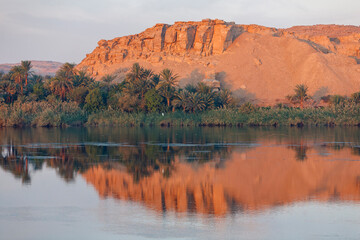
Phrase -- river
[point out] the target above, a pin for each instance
(180, 183)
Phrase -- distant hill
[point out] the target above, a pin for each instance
(255, 62)
(39, 67)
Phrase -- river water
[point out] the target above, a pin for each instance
(180, 183)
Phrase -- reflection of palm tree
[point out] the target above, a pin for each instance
(142, 160)
(26, 176)
(356, 151)
(300, 151)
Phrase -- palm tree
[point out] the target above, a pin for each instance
(207, 94)
(196, 102)
(337, 100)
(167, 77)
(17, 74)
(301, 95)
(190, 88)
(167, 83)
(37, 78)
(203, 88)
(139, 80)
(26, 66)
(81, 79)
(108, 78)
(208, 100)
(8, 88)
(225, 98)
(67, 70)
(60, 86)
(11, 90)
(355, 97)
(135, 73)
(146, 82)
(182, 99)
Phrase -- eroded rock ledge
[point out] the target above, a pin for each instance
(182, 39)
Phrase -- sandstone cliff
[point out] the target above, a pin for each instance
(256, 62)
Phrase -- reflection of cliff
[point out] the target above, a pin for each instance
(262, 177)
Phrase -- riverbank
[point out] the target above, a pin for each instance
(56, 114)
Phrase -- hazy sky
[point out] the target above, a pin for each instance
(65, 30)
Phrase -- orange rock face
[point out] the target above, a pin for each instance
(255, 61)
(181, 39)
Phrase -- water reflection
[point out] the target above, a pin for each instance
(203, 170)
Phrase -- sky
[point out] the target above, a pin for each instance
(66, 30)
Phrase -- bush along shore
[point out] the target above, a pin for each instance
(144, 98)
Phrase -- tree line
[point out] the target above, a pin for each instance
(142, 90)
(72, 97)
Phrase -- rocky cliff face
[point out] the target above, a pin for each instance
(163, 41)
(343, 40)
(258, 62)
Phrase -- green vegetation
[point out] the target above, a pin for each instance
(144, 98)
(300, 96)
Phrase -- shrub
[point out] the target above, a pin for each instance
(94, 101)
(247, 108)
(153, 101)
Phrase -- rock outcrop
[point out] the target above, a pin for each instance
(255, 61)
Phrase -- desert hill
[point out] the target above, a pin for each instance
(39, 67)
(255, 62)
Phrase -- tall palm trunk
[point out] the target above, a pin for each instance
(63, 94)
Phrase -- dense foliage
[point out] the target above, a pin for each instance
(72, 97)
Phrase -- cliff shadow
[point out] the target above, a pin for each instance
(241, 95)
(120, 74)
(356, 59)
(221, 76)
(322, 91)
(193, 78)
(316, 46)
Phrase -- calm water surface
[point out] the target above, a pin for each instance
(180, 183)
